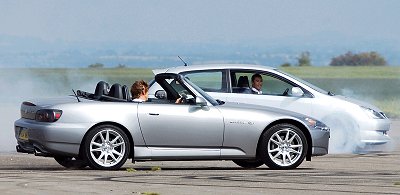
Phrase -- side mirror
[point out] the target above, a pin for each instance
(296, 92)
(201, 101)
(160, 94)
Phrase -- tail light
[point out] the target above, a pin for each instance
(48, 115)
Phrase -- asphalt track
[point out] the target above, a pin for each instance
(330, 174)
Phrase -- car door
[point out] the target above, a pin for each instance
(170, 125)
(275, 92)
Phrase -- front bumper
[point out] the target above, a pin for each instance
(376, 132)
(376, 137)
(320, 142)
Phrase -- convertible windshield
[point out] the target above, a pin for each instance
(204, 94)
(304, 82)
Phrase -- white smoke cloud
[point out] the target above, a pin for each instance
(18, 85)
(346, 134)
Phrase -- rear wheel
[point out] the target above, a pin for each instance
(283, 146)
(106, 147)
(248, 164)
(70, 162)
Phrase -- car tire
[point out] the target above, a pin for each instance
(70, 162)
(248, 164)
(106, 147)
(283, 146)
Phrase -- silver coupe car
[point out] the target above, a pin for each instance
(356, 126)
(105, 128)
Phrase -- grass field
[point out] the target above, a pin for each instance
(377, 85)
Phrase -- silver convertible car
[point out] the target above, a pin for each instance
(356, 126)
(105, 128)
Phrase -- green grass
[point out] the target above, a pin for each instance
(390, 106)
(364, 72)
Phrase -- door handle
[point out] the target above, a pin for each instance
(154, 114)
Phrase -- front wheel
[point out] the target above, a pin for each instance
(283, 146)
(106, 147)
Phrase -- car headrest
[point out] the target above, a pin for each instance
(116, 91)
(125, 93)
(102, 88)
(243, 81)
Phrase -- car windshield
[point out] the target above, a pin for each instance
(304, 82)
(204, 94)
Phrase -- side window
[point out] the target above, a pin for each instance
(274, 86)
(210, 81)
(242, 83)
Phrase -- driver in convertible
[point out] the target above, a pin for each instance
(140, 92)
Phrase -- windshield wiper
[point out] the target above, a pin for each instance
(331, 94)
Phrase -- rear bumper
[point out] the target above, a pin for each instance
(44, 139)
(30, 148)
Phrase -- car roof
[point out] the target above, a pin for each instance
(179, 69)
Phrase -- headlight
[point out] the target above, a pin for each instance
(372, 113)
(316, 124)
(48, 115)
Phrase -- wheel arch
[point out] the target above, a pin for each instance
(123, 128)
(295, 123)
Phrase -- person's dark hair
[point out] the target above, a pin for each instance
(138, 88)
(255, 76)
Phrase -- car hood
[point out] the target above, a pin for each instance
(358, 102)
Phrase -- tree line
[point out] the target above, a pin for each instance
(348, 59)
(304, 59)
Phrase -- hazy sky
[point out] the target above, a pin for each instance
(198, 20)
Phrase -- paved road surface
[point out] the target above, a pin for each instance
(330, 174)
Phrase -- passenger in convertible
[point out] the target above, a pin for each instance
(140, 91)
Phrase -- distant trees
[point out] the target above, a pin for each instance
(100, 65)
(304, 59)
(286, 64)
(96, 65)
(360, 59)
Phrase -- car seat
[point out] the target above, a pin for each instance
(242, 85)
(116, 91)
(126, 93)
(102, 88)
(243, 81)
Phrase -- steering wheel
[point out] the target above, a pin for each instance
(286, 92)
(183, 98)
